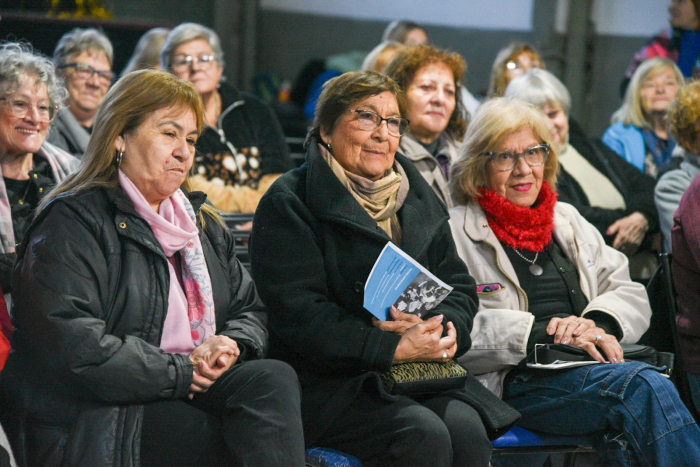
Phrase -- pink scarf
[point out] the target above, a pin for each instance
(190, 319)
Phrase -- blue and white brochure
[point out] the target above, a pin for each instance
(399, 280)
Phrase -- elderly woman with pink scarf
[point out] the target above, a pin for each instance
(139, 336)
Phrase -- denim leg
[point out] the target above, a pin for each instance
(629, 398)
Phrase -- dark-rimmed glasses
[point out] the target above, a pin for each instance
(368, 120)
(85, 71)
(506, 159)
(20, 107)
(180, 62)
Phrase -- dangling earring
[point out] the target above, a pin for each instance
(118, 159)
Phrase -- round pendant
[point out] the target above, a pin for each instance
(536, 269)
(21, 201)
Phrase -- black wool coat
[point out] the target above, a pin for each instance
(312, 249)
(91, 291)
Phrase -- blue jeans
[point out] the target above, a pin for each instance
(636, 410)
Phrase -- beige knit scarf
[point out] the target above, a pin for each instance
(382, 199)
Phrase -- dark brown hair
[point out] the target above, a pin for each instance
(340, 93)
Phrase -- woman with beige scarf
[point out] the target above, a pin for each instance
(317, 234)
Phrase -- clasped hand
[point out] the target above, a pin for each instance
(629, 232)
(211, 360)
(584, 333)
(421, 341)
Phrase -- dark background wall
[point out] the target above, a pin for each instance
(282, 42)
(286, 41)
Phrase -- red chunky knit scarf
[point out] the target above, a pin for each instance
(518, 227)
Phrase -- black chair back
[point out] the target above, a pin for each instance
(663, 331)
(236, 222)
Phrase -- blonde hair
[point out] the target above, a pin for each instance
(380, 56)
(493, 122)
(631, 112)
(497, 83)
(684, 116)
(125, 107)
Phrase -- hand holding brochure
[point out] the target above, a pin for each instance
(399, 280)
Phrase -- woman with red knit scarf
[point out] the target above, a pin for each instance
(545, 275)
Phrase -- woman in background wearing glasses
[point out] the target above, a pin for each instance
(514, 60)
(545, 275)
(242, 150)
(29, 98)
(431, 79)
(83, 58)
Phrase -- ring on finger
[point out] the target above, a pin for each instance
(444, 355)
(597, 339)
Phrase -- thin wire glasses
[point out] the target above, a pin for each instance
(181, 62)
(19, 109)
(368, 120)
(506, 159)
(85, 72)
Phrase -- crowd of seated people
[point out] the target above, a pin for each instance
(131, 334)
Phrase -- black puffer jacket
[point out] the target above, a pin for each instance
(91, 290)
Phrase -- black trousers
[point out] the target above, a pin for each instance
(436, 432)
(249, 417)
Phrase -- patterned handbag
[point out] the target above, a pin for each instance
(424, 377)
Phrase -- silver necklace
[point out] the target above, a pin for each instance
(535, 269)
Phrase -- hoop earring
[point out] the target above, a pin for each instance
(118, 159)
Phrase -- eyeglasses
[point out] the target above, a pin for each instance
(19, 109)
(368, 120)
(180, 62)
(507, 160)
(85, 71)
(519, 68)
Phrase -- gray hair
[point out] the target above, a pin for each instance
(147, 51)
(187, 32)
(79, 40)
(631, 112)
(18, 59)
(539, 88)
(398, 29)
